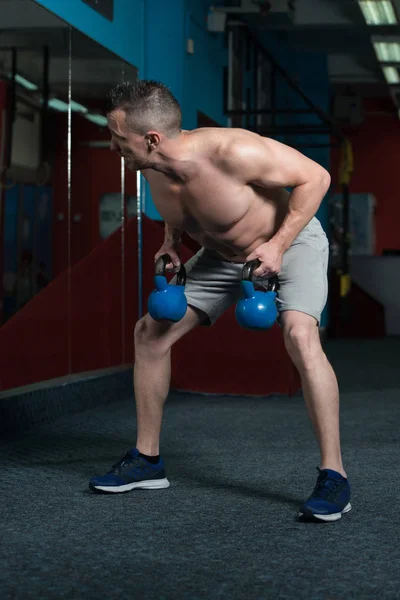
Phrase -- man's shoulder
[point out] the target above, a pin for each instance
(224, 142)
(223, 133)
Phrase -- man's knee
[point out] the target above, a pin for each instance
(151, 336)
(302, 339)
(158, 338)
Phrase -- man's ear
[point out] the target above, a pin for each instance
(152, 140)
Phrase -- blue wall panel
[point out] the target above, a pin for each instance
(204, 68)
(124, 35)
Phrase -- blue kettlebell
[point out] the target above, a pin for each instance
(167, 302)
(257, 309)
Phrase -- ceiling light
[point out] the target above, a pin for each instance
(378, 12)
(391, 75)
(28, 85)
(57, 104)
(98, 119)
(78, 107)
(387, 51)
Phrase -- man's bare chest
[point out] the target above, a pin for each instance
(204, 204)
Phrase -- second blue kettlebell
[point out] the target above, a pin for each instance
(257, 309)
(167, 302)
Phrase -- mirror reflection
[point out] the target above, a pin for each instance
(68, 209)
(103, 200)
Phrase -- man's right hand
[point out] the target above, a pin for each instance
(171, 248)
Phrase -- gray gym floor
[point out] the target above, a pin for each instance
(226, 528)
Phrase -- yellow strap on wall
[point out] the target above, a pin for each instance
(346, 166)
(345, 284)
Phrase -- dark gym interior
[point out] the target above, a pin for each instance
(78, 235)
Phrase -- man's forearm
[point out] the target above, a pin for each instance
(304, 202)
(172, 234)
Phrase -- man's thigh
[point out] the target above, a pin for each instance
(304, 273)
(212, 285)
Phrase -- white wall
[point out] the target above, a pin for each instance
(379, 276)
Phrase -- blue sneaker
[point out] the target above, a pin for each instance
(131, 472)
(329, 500)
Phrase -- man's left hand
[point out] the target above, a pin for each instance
(270, 255)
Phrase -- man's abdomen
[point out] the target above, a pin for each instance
(245, 236)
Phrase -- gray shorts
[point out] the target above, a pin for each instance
(213, 284)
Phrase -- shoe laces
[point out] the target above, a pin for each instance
(326, 487)
(128, 459)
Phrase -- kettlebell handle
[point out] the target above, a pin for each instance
(161, 266)
(250, 267)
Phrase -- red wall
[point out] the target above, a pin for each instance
(376, 146)
(41, 342)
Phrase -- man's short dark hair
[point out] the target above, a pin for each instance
(148, 105)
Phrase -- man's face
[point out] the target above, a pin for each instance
(130, 145)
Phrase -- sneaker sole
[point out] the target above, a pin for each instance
(149, 484)
(326, 518)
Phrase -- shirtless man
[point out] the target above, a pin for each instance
(226, 189)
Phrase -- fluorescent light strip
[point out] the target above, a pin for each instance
(387, 51)
(28, 85)
(390, 13)
(98, 119)
(391, 75)
(75, 106)
(62, 106)
(378, 12)
(25, 83)
(57, 104)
